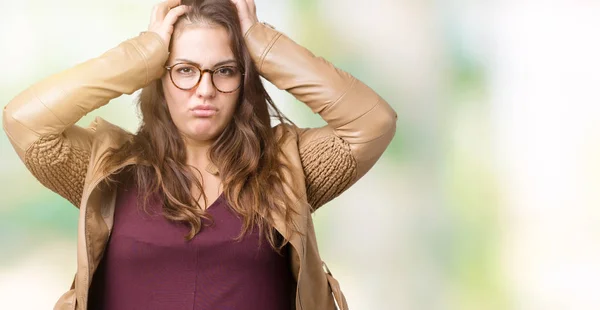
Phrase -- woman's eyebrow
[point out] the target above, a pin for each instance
(220, 63)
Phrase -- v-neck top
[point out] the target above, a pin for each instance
(149, 265)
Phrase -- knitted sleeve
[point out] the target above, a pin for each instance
(40, 121)
(59, 166)
(360, 123)
(329, 168)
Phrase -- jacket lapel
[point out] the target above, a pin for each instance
(98, 208)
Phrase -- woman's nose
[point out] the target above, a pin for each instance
(205, 87)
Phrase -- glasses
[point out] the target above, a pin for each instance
(185, 76)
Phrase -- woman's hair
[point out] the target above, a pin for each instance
(247, 153)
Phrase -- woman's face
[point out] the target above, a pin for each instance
(202, 112)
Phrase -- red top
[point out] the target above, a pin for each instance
(149, 265)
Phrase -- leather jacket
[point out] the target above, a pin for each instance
(325, 161)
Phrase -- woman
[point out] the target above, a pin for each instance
(226, 198)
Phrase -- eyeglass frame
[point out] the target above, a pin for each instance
(202, 71)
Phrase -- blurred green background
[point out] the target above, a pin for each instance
(486, 199)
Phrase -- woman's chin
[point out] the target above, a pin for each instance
(202, 134)
(202, 130)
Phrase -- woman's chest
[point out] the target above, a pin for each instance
(146, 232)
(148, 260)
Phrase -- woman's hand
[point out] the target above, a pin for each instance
(164, 16)
(246, 13)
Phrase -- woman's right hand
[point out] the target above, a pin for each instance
(164, 16)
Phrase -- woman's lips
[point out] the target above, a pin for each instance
(204, 113)
(204, 110)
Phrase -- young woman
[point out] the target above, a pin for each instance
(207, 206)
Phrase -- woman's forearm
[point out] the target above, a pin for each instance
(354, 111)
(59, 101)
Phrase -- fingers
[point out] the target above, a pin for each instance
(251, 7)
(161, 9)
(242, 7)
(174, 14)
(164, 17)
(168, 4)
(246, 13)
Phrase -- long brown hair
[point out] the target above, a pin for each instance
(247, 153)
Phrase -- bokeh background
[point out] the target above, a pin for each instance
(488, 197)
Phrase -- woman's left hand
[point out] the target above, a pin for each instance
(246, 13)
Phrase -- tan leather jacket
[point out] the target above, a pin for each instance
(40, 123)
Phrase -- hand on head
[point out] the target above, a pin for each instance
(246, 13)
(165, 14)
(163, 18)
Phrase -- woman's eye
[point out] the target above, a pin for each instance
(226, 71)
(187, 70)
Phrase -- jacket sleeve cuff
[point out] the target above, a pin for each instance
(260, 38)
(154, 51)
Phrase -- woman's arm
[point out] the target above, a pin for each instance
(360, 124)
(39, 122)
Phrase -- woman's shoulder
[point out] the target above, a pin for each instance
(286, 129)
(107, 134)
